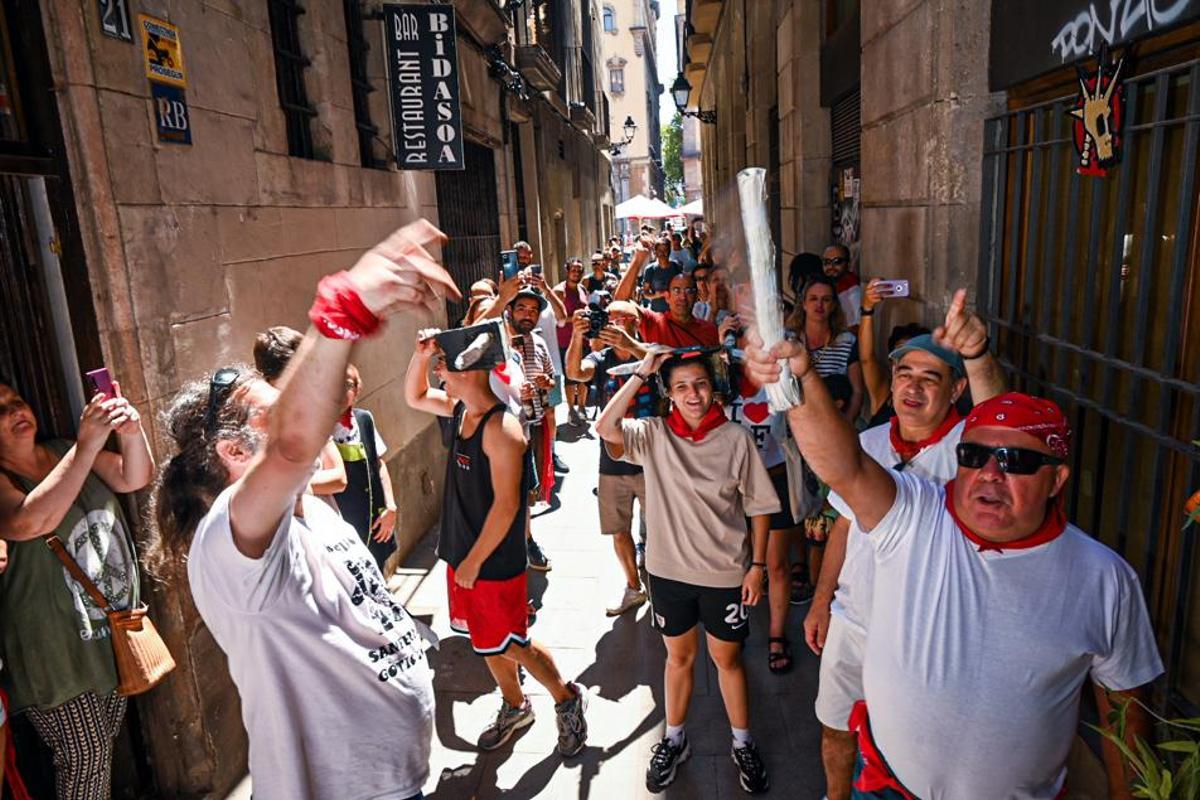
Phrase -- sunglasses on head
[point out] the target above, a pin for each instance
(1010, 460)
(219, 387)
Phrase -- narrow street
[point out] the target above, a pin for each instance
(620, 661)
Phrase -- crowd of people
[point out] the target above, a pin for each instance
(913, 503)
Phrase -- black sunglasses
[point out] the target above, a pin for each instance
(1011, 460)
(837, 260)
(219, 387)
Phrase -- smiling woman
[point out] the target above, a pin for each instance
(55, 640)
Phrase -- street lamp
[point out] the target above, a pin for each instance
(681, 90)
(630, 128)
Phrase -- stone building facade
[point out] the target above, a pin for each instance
(162, 260)
(633, 87)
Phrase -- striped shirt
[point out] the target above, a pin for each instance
(836, 357)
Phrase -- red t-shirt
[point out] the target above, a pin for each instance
(658, 328)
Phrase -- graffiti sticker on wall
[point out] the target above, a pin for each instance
(163, 51)
(1098, 111)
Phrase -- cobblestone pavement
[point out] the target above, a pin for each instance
(620, 661)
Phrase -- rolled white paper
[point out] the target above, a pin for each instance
(760, 252)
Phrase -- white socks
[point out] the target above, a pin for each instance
(675, 735)
(741, 737)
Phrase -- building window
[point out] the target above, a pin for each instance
(616, 80)
(610, 20)
(290, 64)
(360, 86)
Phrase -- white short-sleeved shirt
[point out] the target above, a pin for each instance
(337, 695)
(974, 660)
(938, 463)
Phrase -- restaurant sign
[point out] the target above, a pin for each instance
(422, 64)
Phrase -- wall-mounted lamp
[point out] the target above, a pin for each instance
(630, 128)
(681, 90)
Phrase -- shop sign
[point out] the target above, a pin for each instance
(171, 114)
(114, 19)
(1098, 111)
(422, 64)
(163, 51)
(1032, 37)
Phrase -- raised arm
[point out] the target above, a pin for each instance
(331, 477)
(967, 333)
(875, 375)
(397, 275)
(417, 391)
(495, 308)
(608, 426)
(574, 366)
(132, 467)
(826, 440)
(629, 281)
(556, 303)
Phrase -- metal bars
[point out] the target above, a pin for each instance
(469, 214)
(360, 85)
(1111, 331)
(290, 64)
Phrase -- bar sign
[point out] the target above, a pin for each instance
(422, 62)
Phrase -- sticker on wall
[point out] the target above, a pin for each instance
(163, 51)
(171, 116)
(114, 19)
(1098, 111)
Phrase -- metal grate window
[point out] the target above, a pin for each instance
(469, 214)
(290, 64)
(846, 128)
(1092, 292)
(360, 86)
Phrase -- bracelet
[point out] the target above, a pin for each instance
(866, 312)
(983, 351)
(338, 311)
(754, 564)
(640, 375)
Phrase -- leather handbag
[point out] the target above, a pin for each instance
(142, 657)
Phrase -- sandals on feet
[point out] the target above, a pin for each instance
(781, 661)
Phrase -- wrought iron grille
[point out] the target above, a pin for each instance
(469, 214)
(290, 64)
(1092, 292)
(360, 85)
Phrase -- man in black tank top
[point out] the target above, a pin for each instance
(484, 519)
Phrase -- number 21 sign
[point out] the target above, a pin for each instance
(114, 19)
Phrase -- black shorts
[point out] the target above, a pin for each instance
(562, 352)
(782, 519)
(676, 607)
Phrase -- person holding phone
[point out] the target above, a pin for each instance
(54, 641)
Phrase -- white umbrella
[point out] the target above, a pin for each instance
(692, 209)
(642, 207)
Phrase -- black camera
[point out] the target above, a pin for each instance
(597, 312)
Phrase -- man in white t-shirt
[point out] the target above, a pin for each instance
(989, 610)
(928, 376)
(336, 693)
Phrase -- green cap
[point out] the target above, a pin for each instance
(926, 344)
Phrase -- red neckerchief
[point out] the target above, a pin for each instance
(347, 419)
(847, 280)
(1051, 528)
(713, 419)
(876, 775)
(909, 450)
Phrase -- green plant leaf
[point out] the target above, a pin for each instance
(1180, 746)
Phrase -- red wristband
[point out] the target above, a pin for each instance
(338, 311)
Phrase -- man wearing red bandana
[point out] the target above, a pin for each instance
(989, 609)
(929, 374)
(703, 478)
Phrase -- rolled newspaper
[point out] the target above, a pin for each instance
(760, 251)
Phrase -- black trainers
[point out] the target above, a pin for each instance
(537, 559)
(665, 759)
(752, 772)
(560, 465)
(802, 593)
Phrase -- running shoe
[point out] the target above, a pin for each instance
(574, 421)
(572, 727)
(510, 720)
(630, 599)
(802, 593)
(537, 559)
(538, 508)
(560, 465)
(665, 759)
(752, 772)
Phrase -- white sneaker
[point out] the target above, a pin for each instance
(540, 507)
(631, 599)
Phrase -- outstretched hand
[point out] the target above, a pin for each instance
(763, 365)
(399, 274)
(963, 331)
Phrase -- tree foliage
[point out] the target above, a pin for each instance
(672, 145)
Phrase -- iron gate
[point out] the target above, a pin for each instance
(1090, 287)
(469, 214)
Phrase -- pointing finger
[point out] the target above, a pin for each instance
(956, 306)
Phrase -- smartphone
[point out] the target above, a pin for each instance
(896, 288)
(535, 269)
(101, 381)
(509, 266)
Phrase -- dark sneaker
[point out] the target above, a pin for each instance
(802, 593)
(537, 559)
(752, 772)
(572, 727)
(510, 720)
(530, 613)
(560, 465)
(665, 759)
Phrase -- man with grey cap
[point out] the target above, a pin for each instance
(929, 373)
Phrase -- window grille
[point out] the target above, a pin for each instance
(616, 80)
(847, 129)
(360, 85)
(290, 64)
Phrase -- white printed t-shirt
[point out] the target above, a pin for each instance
(938, 463)
(336, 693)
(975, 660)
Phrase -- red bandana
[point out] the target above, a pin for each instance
(712, 420)
(347, 418)
(1050, 529)
(1033, 415)
(338, 311)
(909, 450)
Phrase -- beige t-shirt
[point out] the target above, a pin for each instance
(698, 495)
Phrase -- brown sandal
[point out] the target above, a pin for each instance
(781, 662)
